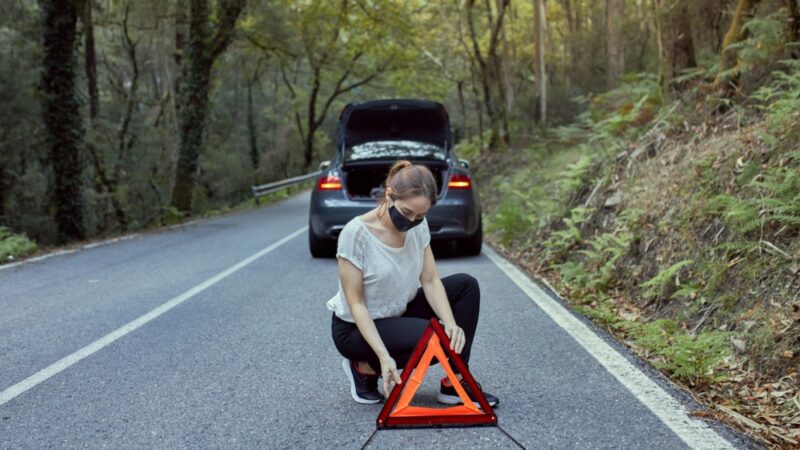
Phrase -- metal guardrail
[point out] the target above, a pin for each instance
(268, 188)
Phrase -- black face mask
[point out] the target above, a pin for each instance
(400, 221)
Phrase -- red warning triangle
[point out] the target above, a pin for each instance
(397, 411)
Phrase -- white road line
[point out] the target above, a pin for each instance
(64, 363)
(695, 433)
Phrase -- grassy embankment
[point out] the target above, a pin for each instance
(677, 228)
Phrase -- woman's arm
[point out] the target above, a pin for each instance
(437, 298)
(353, 286)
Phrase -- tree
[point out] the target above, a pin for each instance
(202, 49)
(487, 65)
(338, 48)
(90, 58)
(615, 53)
(541, 75)
(675, 42)
(62, 119)
(727, 79)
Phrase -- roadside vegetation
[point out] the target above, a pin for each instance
(675, 225)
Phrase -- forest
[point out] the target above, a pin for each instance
(640, 155)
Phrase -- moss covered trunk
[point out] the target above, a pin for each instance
(62, 118)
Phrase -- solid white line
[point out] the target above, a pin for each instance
(695, 433)
(64, 363)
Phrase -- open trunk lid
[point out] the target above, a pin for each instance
(416, 121)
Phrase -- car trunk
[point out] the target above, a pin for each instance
(387, 120)
(364, 180)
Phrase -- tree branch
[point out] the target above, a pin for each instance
(228, 11)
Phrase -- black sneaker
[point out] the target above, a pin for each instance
(363, 388)
(449, 396)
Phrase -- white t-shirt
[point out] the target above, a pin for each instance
(390, 274)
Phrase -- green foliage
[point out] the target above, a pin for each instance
(693, 358)
(13, 246)
(781, 101)
(630, 218)
(603, 254)
(774, 197)
(654, 336)
(562, 240)
(171, 215)
(626, 108)
(741, 215)
(576, 175)
(686, 357)
(766, 38)
(573, 273)
(656, 285)
(601, 311)
(509, 218)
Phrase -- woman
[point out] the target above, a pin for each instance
(380, 310)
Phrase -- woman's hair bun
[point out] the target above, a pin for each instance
(396, 167)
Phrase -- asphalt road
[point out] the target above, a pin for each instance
(215, 334)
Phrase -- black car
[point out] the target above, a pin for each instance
(371, 136)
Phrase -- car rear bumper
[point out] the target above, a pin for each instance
(455, 216)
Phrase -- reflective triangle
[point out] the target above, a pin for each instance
(398, 412)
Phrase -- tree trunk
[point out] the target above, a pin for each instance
(675, 42)
(465, 131)
(90, 59)
(728, 78)
(497, 119)
(202, 51)
(251, 127)
(308, 152)
(194, 104)
(682, 52)
(62, 118)
(539, 19)
(794, 26)
(663, 75)
(615, 53)
(505, 65)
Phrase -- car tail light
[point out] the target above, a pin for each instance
(459, 181)
(328, 183)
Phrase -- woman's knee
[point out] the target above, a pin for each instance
(467, 284)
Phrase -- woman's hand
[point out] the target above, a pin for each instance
(389, 373)
(456, 336)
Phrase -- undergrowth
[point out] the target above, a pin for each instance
(678, 232)
(14, 246)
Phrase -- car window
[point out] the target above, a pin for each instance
(394, 150)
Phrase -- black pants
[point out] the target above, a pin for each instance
(401, 334)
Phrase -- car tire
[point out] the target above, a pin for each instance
(471, 246)
(320, 247)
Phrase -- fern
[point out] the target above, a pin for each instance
(576, 175)
(656, 285)
(654, 336)
(603, 254)
(562, 240)
(693, 359)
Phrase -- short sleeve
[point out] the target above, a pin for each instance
(350, 246)
(425, 233)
